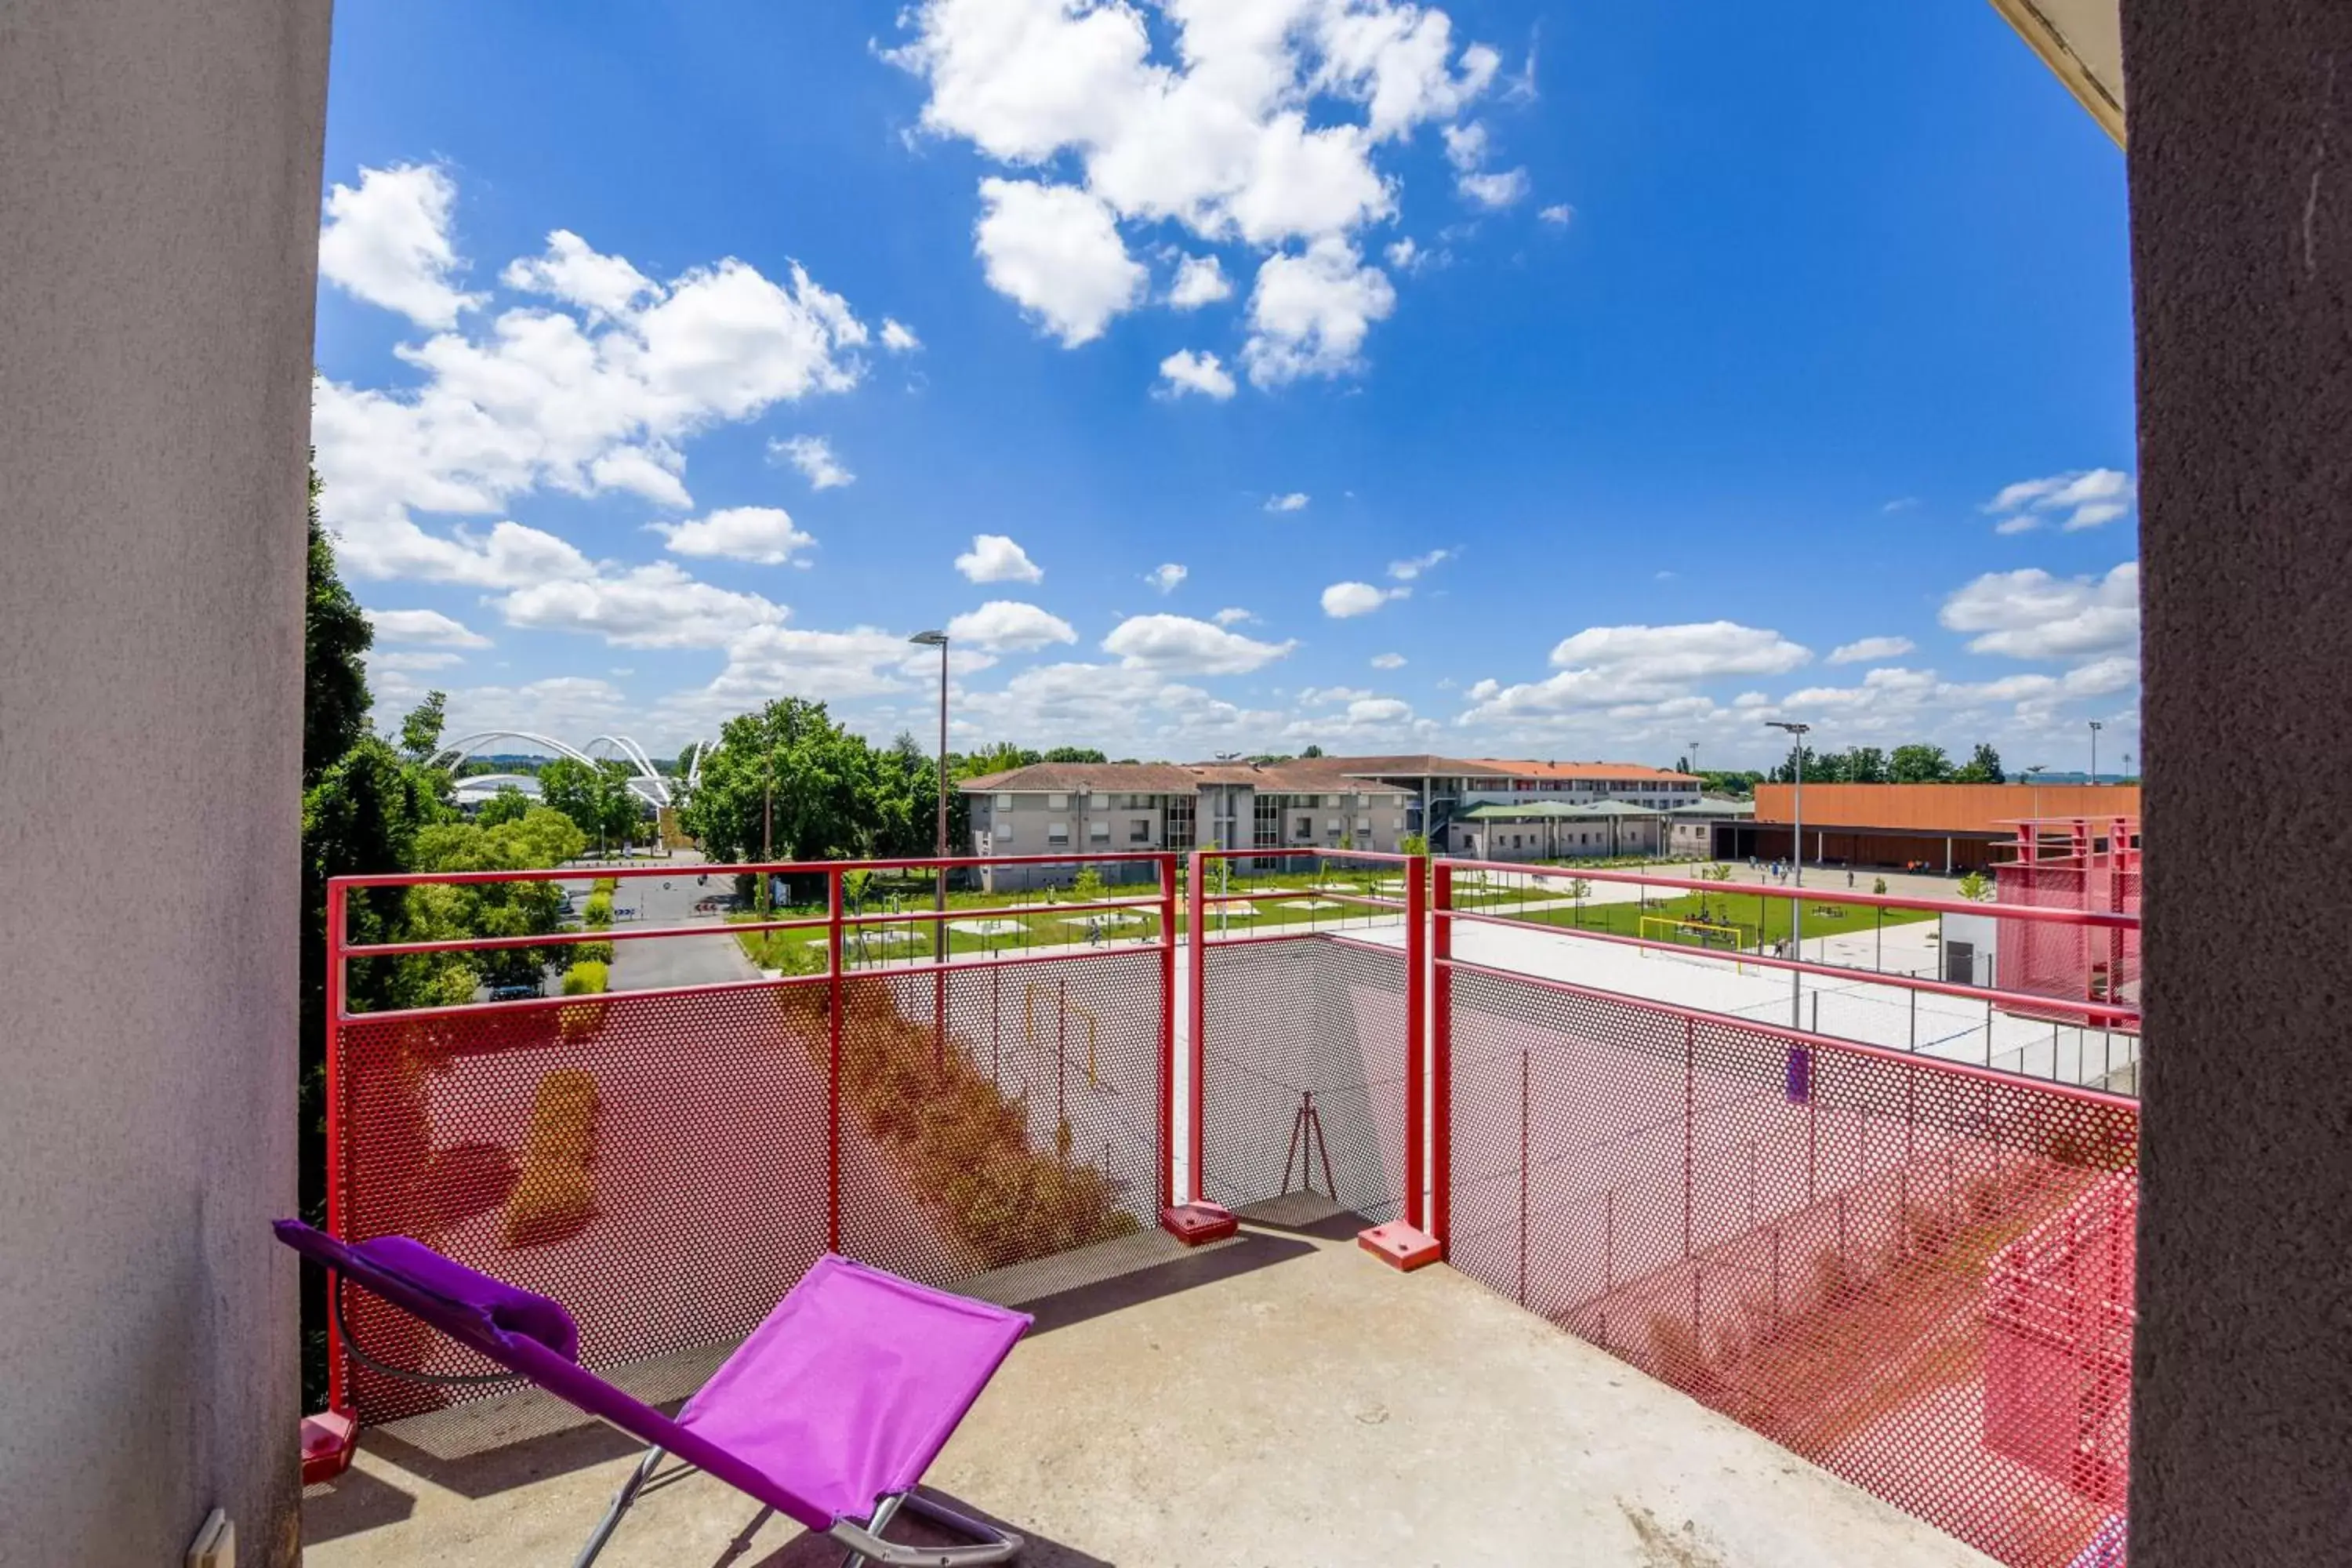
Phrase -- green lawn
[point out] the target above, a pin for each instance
(1753, 915)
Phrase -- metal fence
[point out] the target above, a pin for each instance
(1912, 1272)
(670, 1162)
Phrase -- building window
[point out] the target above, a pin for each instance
(1057, 802)
(1005, 802)
(1266, 824)
(1305, 828)
(1180, 821)
(1138, 831)
(1056, 832)
(1363, 825)
(1099, 832)
(1101, 801)
(1004, 833)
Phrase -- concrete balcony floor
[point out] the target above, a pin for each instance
(1283, 1398)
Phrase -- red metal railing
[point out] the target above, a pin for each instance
(1306, 1042)
(1913, 1271)
(669, 1161)
(1908, 1271)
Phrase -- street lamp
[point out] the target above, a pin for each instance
(2095, 728)
(940, 847)
(1797, 733)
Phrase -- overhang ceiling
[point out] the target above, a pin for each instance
(2082, 43)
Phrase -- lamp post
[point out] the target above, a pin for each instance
(939, 844)
(1797, 733)
(2095, 728)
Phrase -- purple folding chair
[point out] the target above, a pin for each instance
(829, 1413)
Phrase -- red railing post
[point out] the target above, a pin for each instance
(1167, 864)
(833, 1061)
(338, 1393)
(1416, 1036)
(1441, 1053)
(1197, 929)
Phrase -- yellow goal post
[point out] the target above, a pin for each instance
(1731, 939)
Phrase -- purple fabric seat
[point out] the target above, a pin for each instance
(840, 1400)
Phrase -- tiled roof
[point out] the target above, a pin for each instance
(1165, 778)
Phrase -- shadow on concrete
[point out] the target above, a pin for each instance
(352, 1504)
(483, 1447)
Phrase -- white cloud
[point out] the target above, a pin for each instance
(1294, 501)
(898, 337)
(1343, 600)
(994, 558)
(572, 271)
(2084, 498)
(1387, 661)
(1185, 371)
(1126, 710)
(1321, 696)
(2032, 615)
(1200, 280)
(1055, 251)
(412, 661)
(764, 535)
(1870, 649)
(776, 660)
(1166, 576)
(1494, 188)
(1559, 214)
(430, 629)
(1606, 669)
(386, 241)
(1177, 645)
(1244, 128)
(1232, 615)
(588, 396)
(569, 706)
(1007, 626)
(1407, 571)
(1310, 312)
(656, 605)
(813, 457)
(1465, 148)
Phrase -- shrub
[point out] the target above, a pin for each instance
(586, 978)
(599, 912)
(596, 952)
(553, 1198)
(605, 885)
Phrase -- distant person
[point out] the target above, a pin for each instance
(1849, 878)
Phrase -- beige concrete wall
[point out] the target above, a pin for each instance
(159, 195)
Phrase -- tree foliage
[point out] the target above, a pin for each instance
(335, 638)
(1983, 766)
(1920, 763)
(597, 798)
(789, 782)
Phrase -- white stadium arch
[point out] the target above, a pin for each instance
(648, 783)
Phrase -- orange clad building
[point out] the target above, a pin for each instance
(1947, 827)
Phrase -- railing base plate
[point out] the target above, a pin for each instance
(1400, 1246)
(1195, 1224)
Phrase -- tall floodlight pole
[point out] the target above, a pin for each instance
(2095, 728)
(939, 882)
(1797, 733)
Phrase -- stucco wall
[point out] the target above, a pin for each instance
(2241, 242)
(159, 186)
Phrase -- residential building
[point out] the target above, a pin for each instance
(1100, 808)
(1444, 788)
(1537, 829)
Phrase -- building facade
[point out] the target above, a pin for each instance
(1076, 809)
(1442, 789)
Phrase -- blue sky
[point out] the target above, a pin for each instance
(1569, 382)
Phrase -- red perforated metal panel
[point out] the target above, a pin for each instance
(1304, 1073)
(1802, 1235)
(656, 1162)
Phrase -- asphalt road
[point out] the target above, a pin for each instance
(668, 901)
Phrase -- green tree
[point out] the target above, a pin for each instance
(1002, 757)
(1413, 843)
(1865, 764)
(595, 796)
(335, 639)
(508, 805)
(1312, 752)
(1074, 754)
(1983, 766)
(826, 791)
(1919, 764)
(420, 732)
